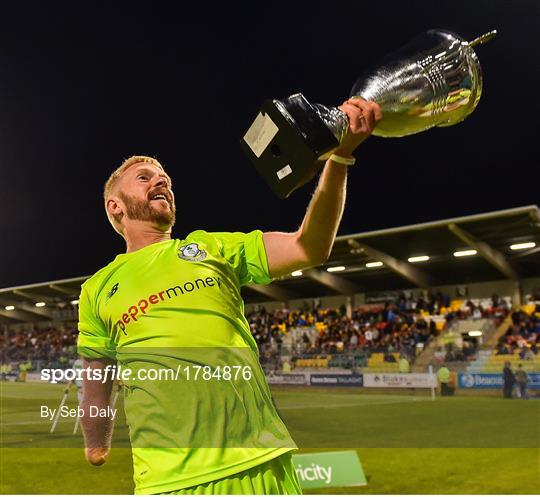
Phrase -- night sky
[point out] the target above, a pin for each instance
(83, 88)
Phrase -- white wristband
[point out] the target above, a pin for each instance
(346, 161)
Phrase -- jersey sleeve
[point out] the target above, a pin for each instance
(93, 342)
(246, 253)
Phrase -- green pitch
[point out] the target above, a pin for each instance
(409, 444)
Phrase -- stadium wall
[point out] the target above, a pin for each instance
(529, 284)
(478, 290)
(486, 289)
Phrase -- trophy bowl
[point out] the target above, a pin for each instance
(434, 80)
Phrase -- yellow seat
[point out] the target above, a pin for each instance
(528, 308)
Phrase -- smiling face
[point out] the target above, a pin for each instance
(140, 192)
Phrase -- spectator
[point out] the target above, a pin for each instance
(286, 367)
(508, 380)
(439, 355)
(404, 365)
(388, 357)
(522, 378)
(444, 377)
(521, 334)
(502, 350)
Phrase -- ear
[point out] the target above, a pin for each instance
(114, 206)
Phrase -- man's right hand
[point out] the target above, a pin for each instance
(96, 456)
(363, 116)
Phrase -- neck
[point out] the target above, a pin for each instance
(141, 234)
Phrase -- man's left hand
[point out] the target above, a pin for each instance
(363, 117)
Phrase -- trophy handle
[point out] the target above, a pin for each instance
(480, 40)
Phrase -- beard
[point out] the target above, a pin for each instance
(143, 210)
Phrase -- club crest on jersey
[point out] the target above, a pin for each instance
(191, 252)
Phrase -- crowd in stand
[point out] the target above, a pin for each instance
(521, 338)
(380, 329)
(50, 347)
(393, 327)
(397, 326)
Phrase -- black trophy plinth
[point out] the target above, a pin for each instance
(285, 143)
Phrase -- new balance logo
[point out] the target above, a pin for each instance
(112, 291)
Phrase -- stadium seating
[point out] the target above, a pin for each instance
(377, 364)
(488, 362)
(496, 363)
(318, 362)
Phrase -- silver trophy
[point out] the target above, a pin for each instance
(434, 80)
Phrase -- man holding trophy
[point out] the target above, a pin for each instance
(184, 294)
(140, 205)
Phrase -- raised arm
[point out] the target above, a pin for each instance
(312, 243)
(97, 430)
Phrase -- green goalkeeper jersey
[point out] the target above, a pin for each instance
(197, 403)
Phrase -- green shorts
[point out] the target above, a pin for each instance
(276, 476)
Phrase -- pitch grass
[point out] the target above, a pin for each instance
(472, 445)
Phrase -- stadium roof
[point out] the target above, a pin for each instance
(491, 235)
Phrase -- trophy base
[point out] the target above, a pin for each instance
(286, 142)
